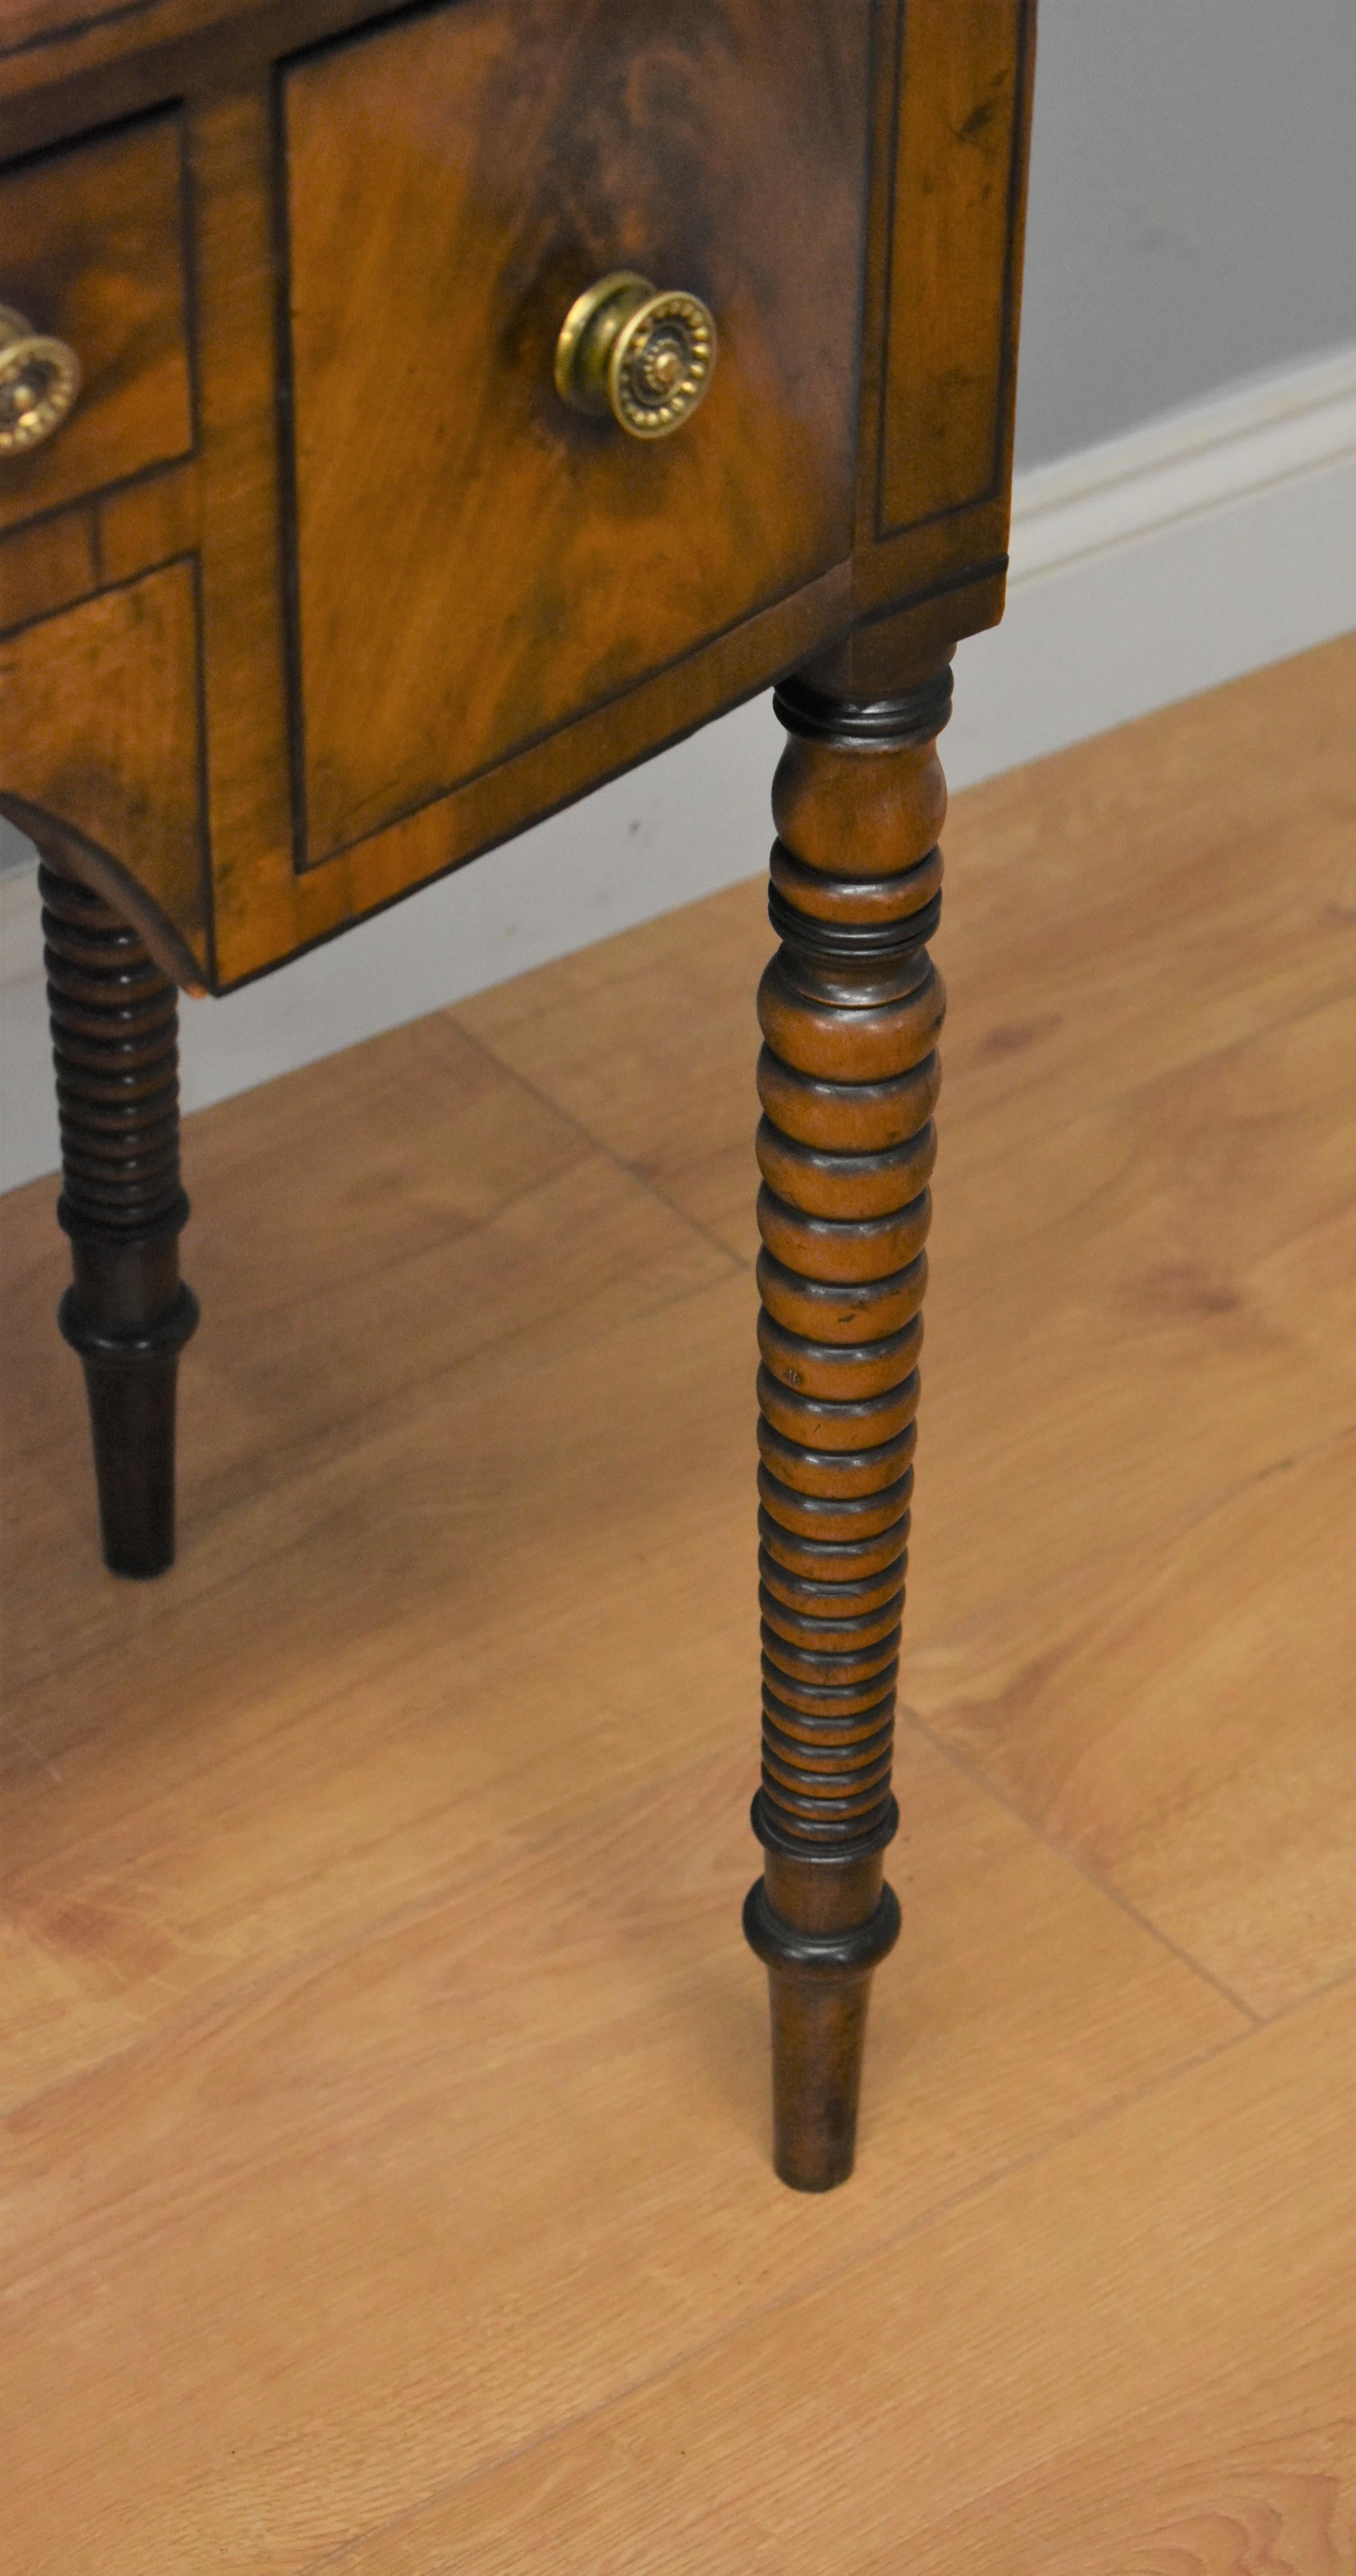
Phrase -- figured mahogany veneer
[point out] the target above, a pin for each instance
(92, 247)
(322, 261)
(324, 588)
(110, 694)
(527, 151)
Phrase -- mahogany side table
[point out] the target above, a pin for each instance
(410, 417)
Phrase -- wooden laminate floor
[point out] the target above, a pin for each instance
(387, 2180)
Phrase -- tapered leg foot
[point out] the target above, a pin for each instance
(127, 1313)
(850, 1009)
(821, 1926)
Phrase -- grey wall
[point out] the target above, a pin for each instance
(1193, 205)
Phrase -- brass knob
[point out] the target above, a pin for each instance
(39, 380)
(643, 356)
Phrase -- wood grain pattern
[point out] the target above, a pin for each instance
(616, 599)
(60, 61)
(950, 341)
(91, 250)
(149, 523)
(101, 735)
(1146, 1156)
(552, 772)
(45, 568)
(606, 1036)
(231, 141)
(725, 154)
(487, 1184)
(1134, 2356)
(408, 1817)
(32, 23)
(1250, 878)
(1204, 1769)
(600, 2020)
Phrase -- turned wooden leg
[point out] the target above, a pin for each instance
(115, 1043)
(850, 1008)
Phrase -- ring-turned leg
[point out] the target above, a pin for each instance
(850, 1008)
(115, 1044)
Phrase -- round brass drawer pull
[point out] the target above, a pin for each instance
(39, 380)
(644, 356)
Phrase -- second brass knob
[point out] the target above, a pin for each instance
(643, 355)
(39, 380)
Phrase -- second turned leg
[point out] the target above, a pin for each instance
(850, 1008)
(115, 1044)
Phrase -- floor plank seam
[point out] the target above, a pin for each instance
(643, 1181)
(1089, 2298)
(811, 2288)
(979, 1779)
(1311, 1995)
(1045, 1093)
(322, 1955)
(333, 1444)
(298, 1969)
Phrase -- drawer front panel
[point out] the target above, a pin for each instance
(477, 564)
(91, 253)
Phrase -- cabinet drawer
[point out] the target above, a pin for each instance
(91, 253)
(476, 564)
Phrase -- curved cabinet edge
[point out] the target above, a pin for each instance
(99, 755)
(105, 876)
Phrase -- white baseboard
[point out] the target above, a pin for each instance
(1207, 543)
(1203, 545)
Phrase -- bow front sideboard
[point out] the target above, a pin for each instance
(409, 418)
